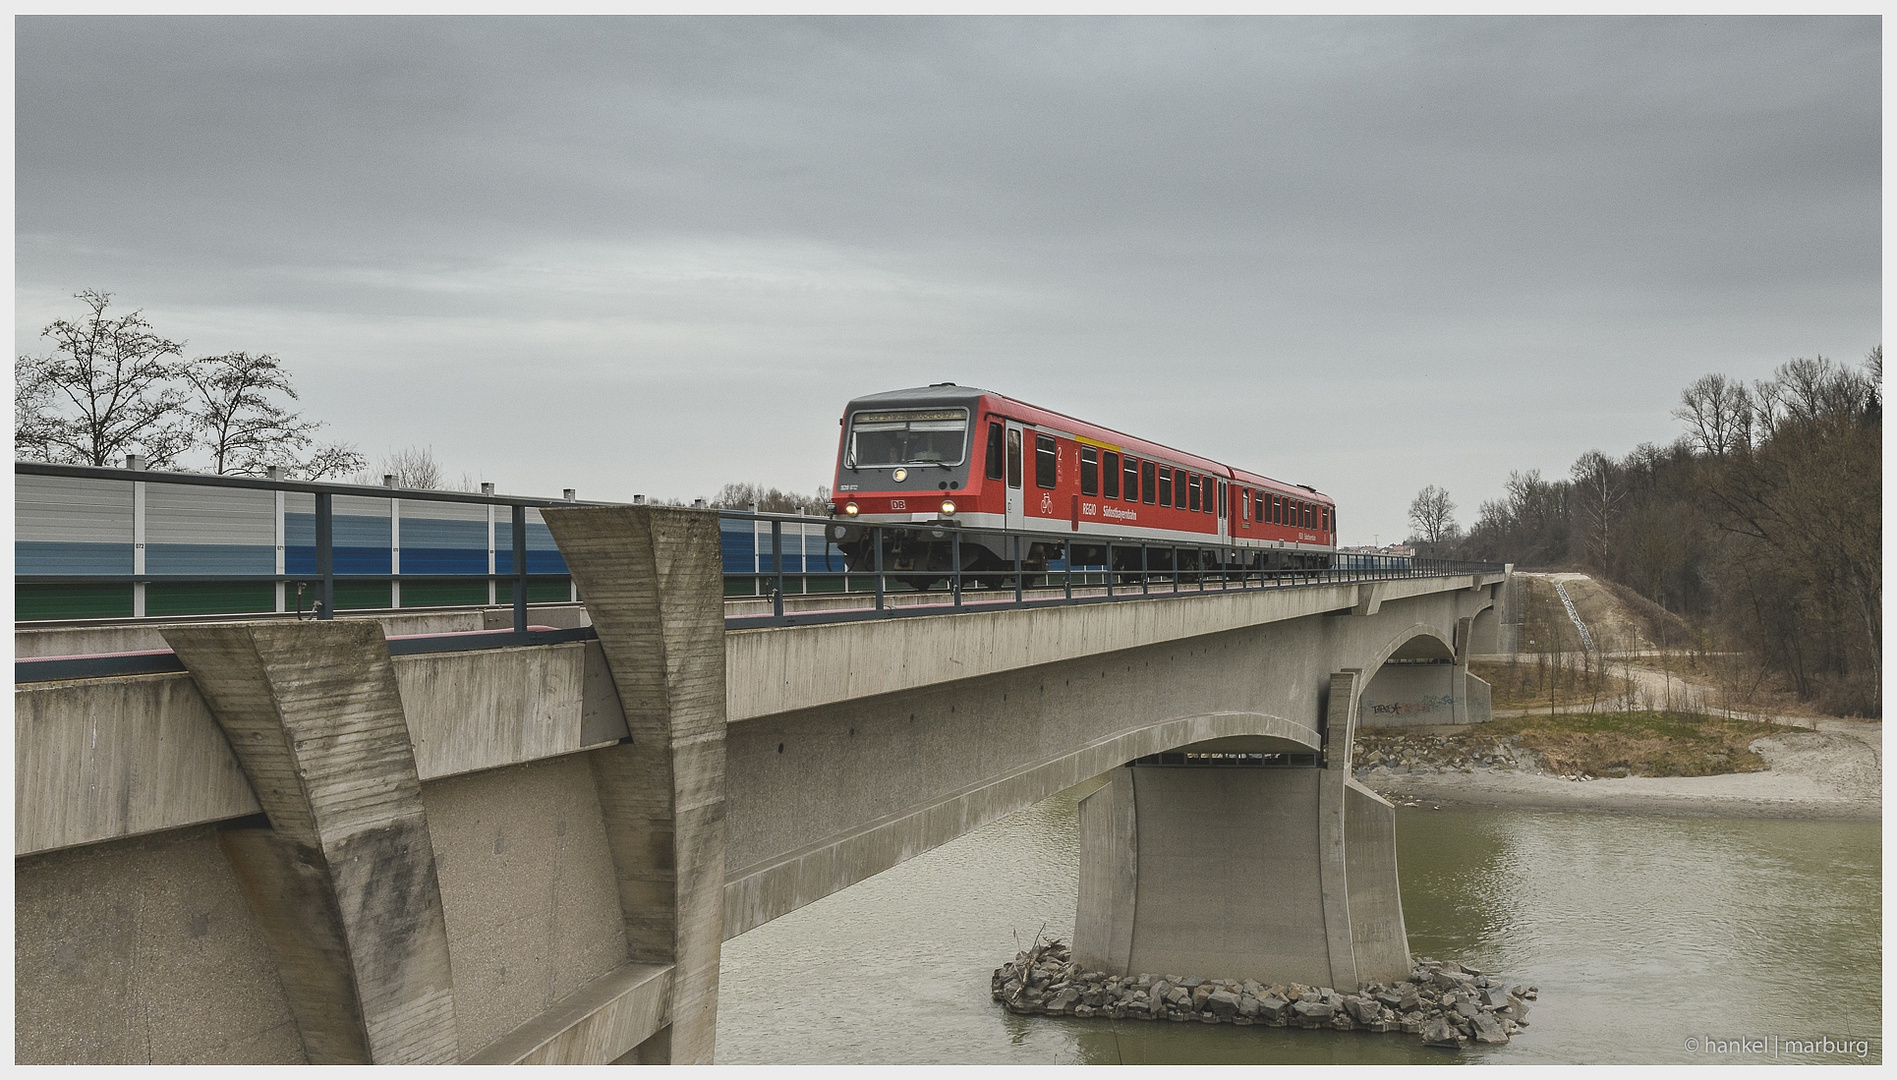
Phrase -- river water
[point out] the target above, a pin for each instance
(1647, 936)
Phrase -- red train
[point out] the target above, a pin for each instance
(930, 456)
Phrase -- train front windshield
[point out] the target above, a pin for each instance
(916, 437)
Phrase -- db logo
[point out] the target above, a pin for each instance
(1047, 504)
(899, 504)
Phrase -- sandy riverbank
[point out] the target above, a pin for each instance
(1833, 772)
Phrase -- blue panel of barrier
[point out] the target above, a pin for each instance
(62, 557)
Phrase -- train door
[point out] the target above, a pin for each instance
(1017, 507)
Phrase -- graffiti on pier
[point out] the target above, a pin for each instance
(1425, 704)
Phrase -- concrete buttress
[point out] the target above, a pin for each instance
(343, 881)
(652, 581)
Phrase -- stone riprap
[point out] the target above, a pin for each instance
(1444, 1003)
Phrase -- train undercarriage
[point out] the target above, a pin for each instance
(924, 558)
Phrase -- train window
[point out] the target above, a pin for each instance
(1147, 483)
(1222, 497)
(1046, 461)
(1165, 485)
(1110, 474)
(1330, 519)
(1277, 510)
(1089, 471)
(1014, 457)
(907, 437)
(1212, 496)
(996, 436)
(1244, 503)
(1192, 492)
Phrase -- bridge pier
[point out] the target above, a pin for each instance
(1275, 874)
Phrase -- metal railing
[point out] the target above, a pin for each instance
(1041, 569)
(324, 576)
(961, 570)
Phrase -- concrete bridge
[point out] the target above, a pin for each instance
(307, 847)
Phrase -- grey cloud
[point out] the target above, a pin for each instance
(1269, 236)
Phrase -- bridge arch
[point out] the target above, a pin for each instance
(1418, 677)
(757, 893)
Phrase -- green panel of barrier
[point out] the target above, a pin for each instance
(542, 592)
(362, 594)
(443, 593)
(106, 600)
(209, 598)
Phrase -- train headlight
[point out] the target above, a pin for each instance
(849, 509)
(948, 507)
(901, 475)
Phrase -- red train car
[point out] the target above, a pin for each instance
(932, 456)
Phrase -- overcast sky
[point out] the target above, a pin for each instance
(655, 255)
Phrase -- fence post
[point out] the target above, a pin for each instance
(137, 462)
(876, 542)
(493, 591)
(955, 556)
(395, 544)
(520, 569)
(1015, 543)
(777, 568)
(326, 553)
(275, 472)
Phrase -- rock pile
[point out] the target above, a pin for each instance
(1395, 753)
(1445, 1003)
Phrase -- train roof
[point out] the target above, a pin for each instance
(952, 394)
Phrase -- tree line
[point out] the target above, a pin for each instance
(112, 386)
(1761, 524)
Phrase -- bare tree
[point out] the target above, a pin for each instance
(1720, 411)
(113, 374)
(414, 467)
(334, 459)
(1432, 515)
(768, 500)
(246, 431)
(1600, 496)
(33, 418)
